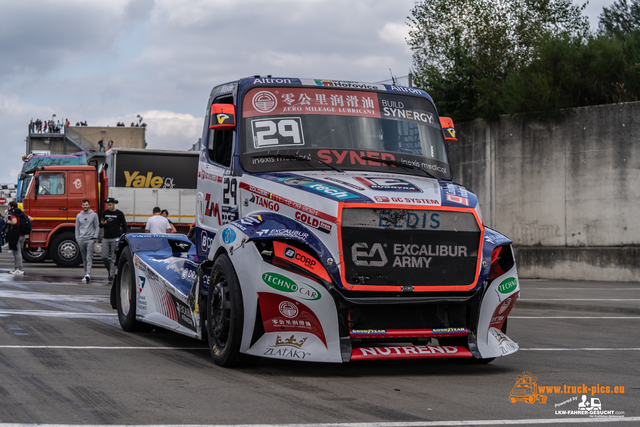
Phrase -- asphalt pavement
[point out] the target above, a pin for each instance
(65, 360)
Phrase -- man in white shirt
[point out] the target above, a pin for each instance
(157, 224)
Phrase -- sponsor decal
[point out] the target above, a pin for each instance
(330, 190)
(504, 342)
(289, 353)
(78, 183)
(404, 255)
(224, 119)
(227, 88)
(208, 176)
(212, 209)
(283, 232)
(297, 181)
(362, 256)
(389, 184)
(300, 258)
(348, 84)
(280, 132)
(141, 282)
(288, 309)
(398, 110)
(229, 214)
(290, 342)
(448, 330)
(135, 260)
(403, 89)
(284, 284)
(272, 81)
(413, 220)
(369, 331)
(346, 184)
(351, 157)
(408, 352)
(287, 202)
(265, 203)
(502, 311)
(382, 199)
(149, 181)
(311, 101)
(285, 315)
(247, 221)
(184, 314)
(508, 285)
(313, 222)
(458, 199)
(206, 242)
(264, 101)
(228, 236)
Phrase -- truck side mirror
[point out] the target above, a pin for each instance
(223, 117)
(448, 129)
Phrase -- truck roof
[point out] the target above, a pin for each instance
(248, 82)
(68, 167)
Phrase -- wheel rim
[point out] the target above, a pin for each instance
(68, 250)
(125, 289)
(221, 312)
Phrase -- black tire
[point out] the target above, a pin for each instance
(126, 292)
(225, 316)
(64, 250)
(35, 254)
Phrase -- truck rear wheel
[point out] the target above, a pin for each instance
(225, 316)
(35, 254)
(65, 251)
(126, 292)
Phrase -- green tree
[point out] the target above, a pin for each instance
(464, 49)
(622, 17)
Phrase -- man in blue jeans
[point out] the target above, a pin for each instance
(87, 230)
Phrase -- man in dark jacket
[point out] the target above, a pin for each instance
(15, 238)
(115, 225)
(2, 224)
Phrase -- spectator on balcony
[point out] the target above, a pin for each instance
(101, 145)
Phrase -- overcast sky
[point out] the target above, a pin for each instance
(108, 61)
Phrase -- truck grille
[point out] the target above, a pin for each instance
(405, 247)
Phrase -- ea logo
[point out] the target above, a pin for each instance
(288, 309)
(264, 101)
(290, 252)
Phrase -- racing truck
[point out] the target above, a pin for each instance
(328, 229)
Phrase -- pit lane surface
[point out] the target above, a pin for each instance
(65, 360)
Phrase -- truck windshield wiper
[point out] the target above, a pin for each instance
(296, 157)
(397, 163)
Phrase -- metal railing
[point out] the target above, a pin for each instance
(80, 140)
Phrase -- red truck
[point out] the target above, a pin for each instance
(138, 179)
(53, 200)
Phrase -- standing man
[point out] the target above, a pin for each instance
(165, 213)
(15, 237)
(101, 145)
(115, 225)
(157, 224)
(110, 144)
(87, 230)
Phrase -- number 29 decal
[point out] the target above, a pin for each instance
(230, 191)
(277, 132)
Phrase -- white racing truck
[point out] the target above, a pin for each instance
(328, 229)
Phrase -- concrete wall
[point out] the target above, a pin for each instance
(566, 192)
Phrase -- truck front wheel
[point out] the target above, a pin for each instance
(225, 316)
(65, 251)
(35, 254)
(126, 297)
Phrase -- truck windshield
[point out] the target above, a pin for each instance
(342, 128)
(37, 161)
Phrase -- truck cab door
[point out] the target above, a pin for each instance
(217, 198)
(78, 190)
(48, 201)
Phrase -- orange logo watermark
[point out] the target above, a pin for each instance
(526, 390)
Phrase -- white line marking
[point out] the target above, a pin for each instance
(558, 420)
(39, 296)
(51, 313)
(574, 317)
(96, 347)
